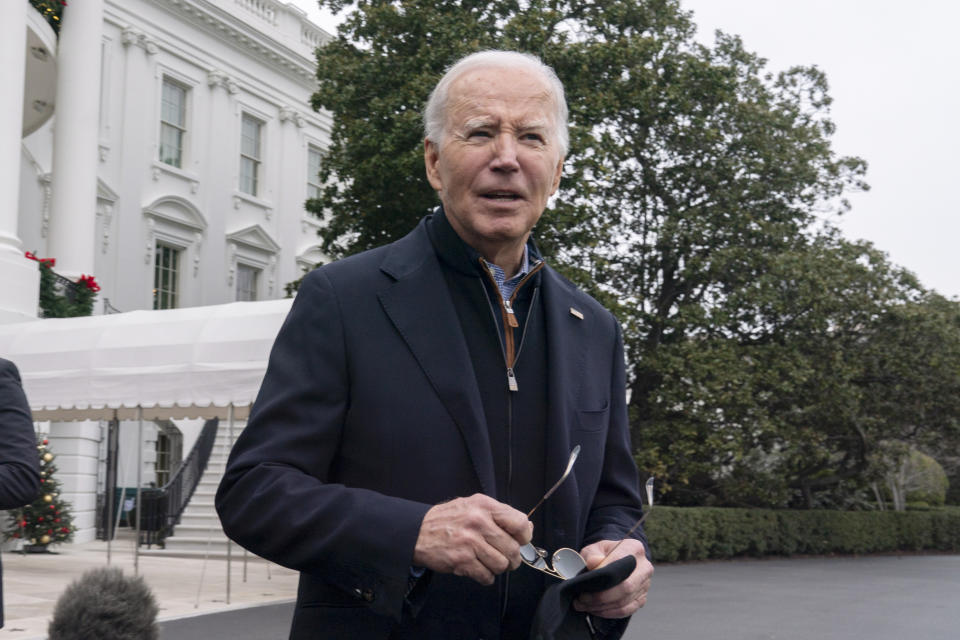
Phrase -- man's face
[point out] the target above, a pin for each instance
(499, 160)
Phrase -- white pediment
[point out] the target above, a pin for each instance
(106, 193)
(177, 210)
(254, 237)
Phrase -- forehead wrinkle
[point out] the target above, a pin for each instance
(469, 95)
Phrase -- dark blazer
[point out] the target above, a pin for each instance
(19, 463)
(369, 414)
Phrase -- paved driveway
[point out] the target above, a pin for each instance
(877, 598)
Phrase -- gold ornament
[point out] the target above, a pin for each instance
(47, 457)
(44, 539)
(33, 541)
(48, 498)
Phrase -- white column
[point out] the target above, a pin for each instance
(220, 180)
(133, 266)
(77, 447)
(290, 197)
(20, 277)
(73, 214)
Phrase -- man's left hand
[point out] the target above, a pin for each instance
(628, 596)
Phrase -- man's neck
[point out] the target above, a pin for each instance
(510, 259)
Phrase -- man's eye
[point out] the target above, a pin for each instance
(532, 137)
(479, 134)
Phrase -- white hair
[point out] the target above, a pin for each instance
(435, 112)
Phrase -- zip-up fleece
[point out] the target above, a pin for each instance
(507, 344)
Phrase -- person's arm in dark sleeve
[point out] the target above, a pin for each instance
(276, 498)
(19, 461)
(617, 503)
(616, 507)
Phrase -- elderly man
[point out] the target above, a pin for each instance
(421, 397)
(19, 463)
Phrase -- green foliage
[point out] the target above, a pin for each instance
(927, 480)
(702, 533)
(47, 520)
(768, 356)
(953, 491)
(60, 300)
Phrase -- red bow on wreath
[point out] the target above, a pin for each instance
(50, 262)
(89, 282)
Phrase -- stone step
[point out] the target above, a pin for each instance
(198, 516)
(203, 503)
(199, 537)
(200, 501)
(197, 530)
(197, 520)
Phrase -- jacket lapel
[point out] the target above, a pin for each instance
(419, 305)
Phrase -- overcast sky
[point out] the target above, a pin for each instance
(894, 73)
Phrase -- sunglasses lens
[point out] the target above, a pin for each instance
(533, 556)
(529, 553)
(568, 563)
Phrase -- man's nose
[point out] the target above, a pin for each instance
(504, 153)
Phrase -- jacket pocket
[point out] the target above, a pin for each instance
(594, 419)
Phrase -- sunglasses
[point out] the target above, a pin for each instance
(566, 563)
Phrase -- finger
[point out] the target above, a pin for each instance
(475, 570)
(593, 554)
(631, 593)
(495, 547)
(618, 610)
(505, 546)
(493, 559)
(514, 522)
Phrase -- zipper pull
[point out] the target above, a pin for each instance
(512, 380)
(511, 318)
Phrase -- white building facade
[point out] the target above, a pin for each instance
(174, 170)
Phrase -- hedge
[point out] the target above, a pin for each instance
(701, 533)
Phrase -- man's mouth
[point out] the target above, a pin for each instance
(501, 195)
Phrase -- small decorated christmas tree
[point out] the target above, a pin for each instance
(47, 519)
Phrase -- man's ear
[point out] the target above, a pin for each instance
(431, 157)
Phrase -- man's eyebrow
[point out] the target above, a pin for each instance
(523, 125)
(478, 123)
(531, 125)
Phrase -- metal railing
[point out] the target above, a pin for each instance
(64, 286)
(108, 307)
(161, 508)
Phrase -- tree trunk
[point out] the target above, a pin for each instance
(881, 504)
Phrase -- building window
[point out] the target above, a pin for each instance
(250, 133)
(169, 449)
(247, 277)
(166, 271)
(173, 123)
(313, 172)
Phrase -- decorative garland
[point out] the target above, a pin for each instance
(51, 10)
(60, 298)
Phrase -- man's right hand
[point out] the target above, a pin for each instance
(476, 537)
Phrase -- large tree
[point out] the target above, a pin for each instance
(689, 206)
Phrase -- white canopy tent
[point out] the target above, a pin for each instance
(199, 362)
(177, 363)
